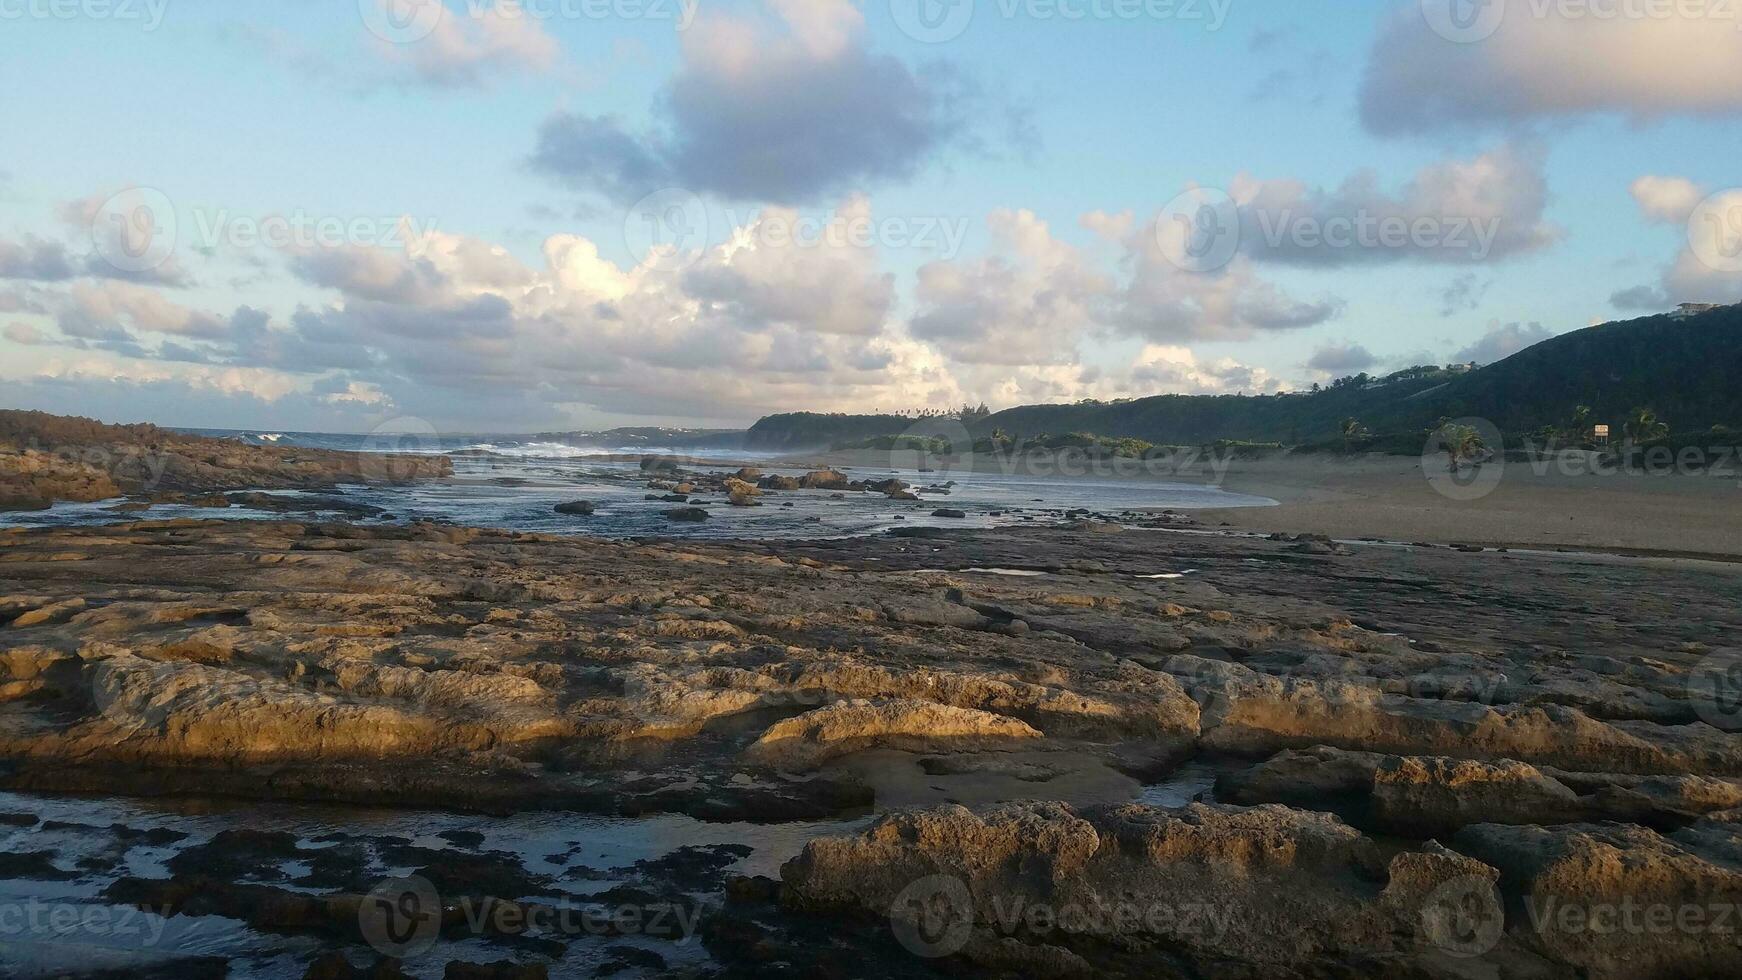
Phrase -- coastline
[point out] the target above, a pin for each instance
(821, 724)
(1391, 498)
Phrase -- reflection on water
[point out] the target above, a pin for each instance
(88, 844)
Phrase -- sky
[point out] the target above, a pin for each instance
(495, 216)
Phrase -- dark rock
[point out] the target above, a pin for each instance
(335, 966)
(502, 970)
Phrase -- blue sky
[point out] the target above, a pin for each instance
(518, 149)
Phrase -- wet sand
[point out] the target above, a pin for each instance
(1391, 497)
(1563, 505)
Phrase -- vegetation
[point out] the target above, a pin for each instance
(1554, 393)
(1643, 425)
(1354, 433)
(817, 430)
(1460, 442)
(1001, 443)
(1684, 369)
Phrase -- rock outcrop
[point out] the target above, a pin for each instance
(1504, 731)
(1213, 890)
(1619, 901)
(45, 458)
(844, 727)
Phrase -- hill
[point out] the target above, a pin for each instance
(1686, 369)
(797, 431)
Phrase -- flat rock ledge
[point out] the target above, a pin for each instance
(852, 726)
(1425, 764)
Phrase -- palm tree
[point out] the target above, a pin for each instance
(1643, 425)
(1460, 442)
(1353, 431)
(1580, 428)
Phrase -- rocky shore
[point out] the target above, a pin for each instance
(48, 458)
(1425, 762)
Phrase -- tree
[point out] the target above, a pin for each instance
(1461, 442)
(1643, 425)
(1579, 429)
(1353, 431)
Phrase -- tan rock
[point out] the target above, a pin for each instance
(817, 736)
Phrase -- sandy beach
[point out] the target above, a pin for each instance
(1576, 503)
(1391, 497)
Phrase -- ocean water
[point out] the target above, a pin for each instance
(517, 485)
(582, 855)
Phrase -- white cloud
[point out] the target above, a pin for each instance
(1175, 370)
(1032, 309)
(24, 333)
(102, 308)
(355, 393)
(1666, 199)
(1706, 269)
(470, 44)
(258, 382)
(1540, 66)
(1162, 301)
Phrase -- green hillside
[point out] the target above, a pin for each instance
(1684, 369)
(814, 430)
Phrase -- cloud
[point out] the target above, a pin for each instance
(167, 394)
(1173, 370)
(1162, 301)
(1669, 200)
(760, 319)
(1157, 369)
(369, 273)
(28, 299)
(1032, 309)
(1640, 298)
(1534, 67)
(94, 217)
(1037, 302)
(35, 260)
(24, 333)
(1463, 293)
(459, 331)
(106, 309)
(817, 287)
(598, 153)
(341, 390)
(263, 384)
(1502, 341)
(1706, 269)
(469, 45)
(791, 116)
(1483, 209)
(1692, 279)
(1339, 359)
